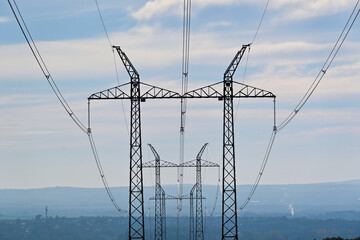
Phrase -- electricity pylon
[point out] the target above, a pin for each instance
(160, 210)
(198, 234)
(137, 94)
(134, 94)
(228, 93)
(160, 196)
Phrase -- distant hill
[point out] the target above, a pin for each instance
(323, 200)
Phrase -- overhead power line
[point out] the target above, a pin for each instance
(350, 22)
(305, 98)
(250, 45)
(184, 87)
(25, 31)
(114, 60)
(30, 41)
(102, 175)
(261, 171)
(103, 23)
(36, 53)
(260, 23)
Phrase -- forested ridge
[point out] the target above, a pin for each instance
(115, 228)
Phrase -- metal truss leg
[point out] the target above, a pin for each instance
(229, 217)
(136, 198)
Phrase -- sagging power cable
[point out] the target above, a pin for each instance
(305, 98)
(217, 194)
(30, 41)
(102, 175)
(324, 68)
(98, 163)
(218, 188)
(36, 53)
(261, 172)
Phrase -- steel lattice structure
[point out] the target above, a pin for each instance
(160, 207)
(185, 197)
(136, 93)
(191, 222)
(197, 233)
(160, 196)
(229, 217)
(229, 202)
(199, 222)
(139, 92)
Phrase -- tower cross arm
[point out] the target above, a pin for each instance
(148, 92)
(210, 91)
(204, 163)
(151, 91)
(247, 91)
(188, 197)
(166, 197)
(240, 91)
(163, 163)
(111, 93)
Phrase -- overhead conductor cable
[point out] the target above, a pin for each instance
(62, 100)
(324, 68)
(184, 83)
(305, 98)
(43, 66)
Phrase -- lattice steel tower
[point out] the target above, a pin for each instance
(136, 198)
(229, 203)
(160, 196)
(228, 93)
(196, 226)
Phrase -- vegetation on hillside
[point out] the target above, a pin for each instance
(115, 228)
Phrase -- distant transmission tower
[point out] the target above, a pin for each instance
(198, 234)
(160, 210)
(161, 197)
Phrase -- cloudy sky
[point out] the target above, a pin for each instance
(41, 147)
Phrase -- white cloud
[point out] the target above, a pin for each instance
(299, 9)
(284, 68)
(157, 8)
(290, 9)
(282, 65)
(71, 57)
(337, 130)
(4, 19)
(204, 3)
(218, 24)
(92, 57)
